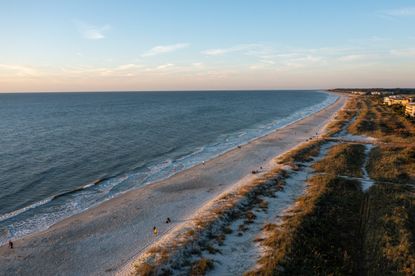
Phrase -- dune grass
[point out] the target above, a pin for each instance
(392, 164)
(320, 235)
(380, 121)
(394, 159)
(343, 159)
(389, 213)
(336, 228)
(201, 266)
(342, 118)
(303, 153)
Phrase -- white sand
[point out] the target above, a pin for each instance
(367, 182)
(105, 238)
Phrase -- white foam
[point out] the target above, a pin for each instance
(24, 209)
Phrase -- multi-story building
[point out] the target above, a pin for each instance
(392, 100)
(410, 109)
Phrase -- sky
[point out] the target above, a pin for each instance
(102, 45)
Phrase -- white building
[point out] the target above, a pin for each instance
(410, 109)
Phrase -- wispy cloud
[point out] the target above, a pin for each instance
(410, 52)
(237, 48)
(128, 67)
(399, 12)
(163, 49)
(352, 57)
(164, 66)
(18, 70)
(92, 32)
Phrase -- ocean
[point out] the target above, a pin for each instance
(62, 153)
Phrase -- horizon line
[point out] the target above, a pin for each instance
(195, 90)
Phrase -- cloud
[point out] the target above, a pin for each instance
(164, 66)
(237, 48)
(352, 57)
(399, 12)
(18, 70)
(128, 67)
(410, 52)
(163, 49)
(92, 32)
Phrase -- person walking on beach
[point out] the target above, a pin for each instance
(155, 231)
(10, 244)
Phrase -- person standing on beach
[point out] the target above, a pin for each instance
(10, 244)
(155, 231)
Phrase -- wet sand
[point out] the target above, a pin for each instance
(105, 238)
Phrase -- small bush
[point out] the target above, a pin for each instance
(201, 266)
(145, 269)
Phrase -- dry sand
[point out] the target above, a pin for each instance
(105, 238)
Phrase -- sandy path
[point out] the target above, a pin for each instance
(104, 238)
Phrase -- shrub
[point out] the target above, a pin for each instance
(201, 266)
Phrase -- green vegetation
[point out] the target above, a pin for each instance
(389, 229)
(301, 154)
(380, 121)
(392, 164)
(201, 266)
(321, 234)
(343, 117)
(336, 228)
(145, 270)
(389, 211)
(343, 159)
(327, 240)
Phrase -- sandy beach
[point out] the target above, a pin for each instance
(105, 238)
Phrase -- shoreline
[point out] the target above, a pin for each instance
(121, 227)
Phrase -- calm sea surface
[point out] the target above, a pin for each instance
(65, 152)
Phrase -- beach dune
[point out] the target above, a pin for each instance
(105, 238)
